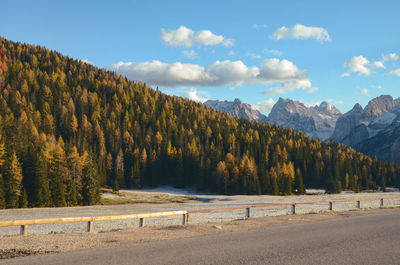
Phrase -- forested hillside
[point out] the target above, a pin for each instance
(68, 128)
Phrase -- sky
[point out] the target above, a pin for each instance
(342, 52)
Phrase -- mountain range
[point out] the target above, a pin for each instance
(315, 121)
(373, 130)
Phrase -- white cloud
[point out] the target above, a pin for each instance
(381, 87)
(390, 57)
(272, 51)
(219, 73)
(184, 36)
(339, 102)
(361, 65)
(395, 72)
(378, 64)
(260, 26)
(253, 55)
(301, 32)
(192, 94)
(264, 106)
(357, 64)
(189, 54)
(364, 91)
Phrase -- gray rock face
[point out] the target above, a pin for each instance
(357, 116)
(347, 122)
(325, 117)
(383, 140)
(317, 121)
(237, 109)
(293, 114)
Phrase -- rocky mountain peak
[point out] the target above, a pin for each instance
(379, 105)
(357, 108)
(237, 109)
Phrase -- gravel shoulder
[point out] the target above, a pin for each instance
(16, 246)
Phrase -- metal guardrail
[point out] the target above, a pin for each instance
(24, 223)
(185, 214)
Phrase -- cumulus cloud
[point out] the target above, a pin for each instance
(189, 54)
(390, 57)
(301, 32)
(192, 94)
(264, 106)
(186, 37)
(357, 64)
(272, 51)
(395, 72)
(378, 64)
(216, 74)
(362, 66)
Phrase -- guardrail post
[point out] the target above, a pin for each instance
(358, 204)
(248, 212)
(330, 206)
(90, 227)
(185, 218)
(381, 206)
(24, 230)
(141, 222)
(294, 208)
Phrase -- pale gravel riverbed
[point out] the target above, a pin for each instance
(198, 201)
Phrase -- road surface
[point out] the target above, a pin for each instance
(367, 239)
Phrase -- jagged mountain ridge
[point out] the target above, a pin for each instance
(351, 126)
(316, 121)
(237, 109)
(381, 137)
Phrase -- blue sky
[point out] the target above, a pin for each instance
(339, 51)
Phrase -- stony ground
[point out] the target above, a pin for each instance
(169, 199)
(15, 246)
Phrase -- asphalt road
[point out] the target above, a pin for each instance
(367, 239)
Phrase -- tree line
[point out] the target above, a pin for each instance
(68, 128)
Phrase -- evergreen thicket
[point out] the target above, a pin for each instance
(67, 128)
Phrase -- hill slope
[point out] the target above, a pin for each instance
(68, 127)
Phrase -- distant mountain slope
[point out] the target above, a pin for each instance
(358, 118)
(381, 137)
(317, 121)
(237, 108)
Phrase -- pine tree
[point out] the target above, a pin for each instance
(13, 181)
(298, 183)
(90, 190)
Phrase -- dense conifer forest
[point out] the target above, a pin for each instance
(68, 128)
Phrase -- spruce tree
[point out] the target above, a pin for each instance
(13, 181)
(90, 188)
(298, 183)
